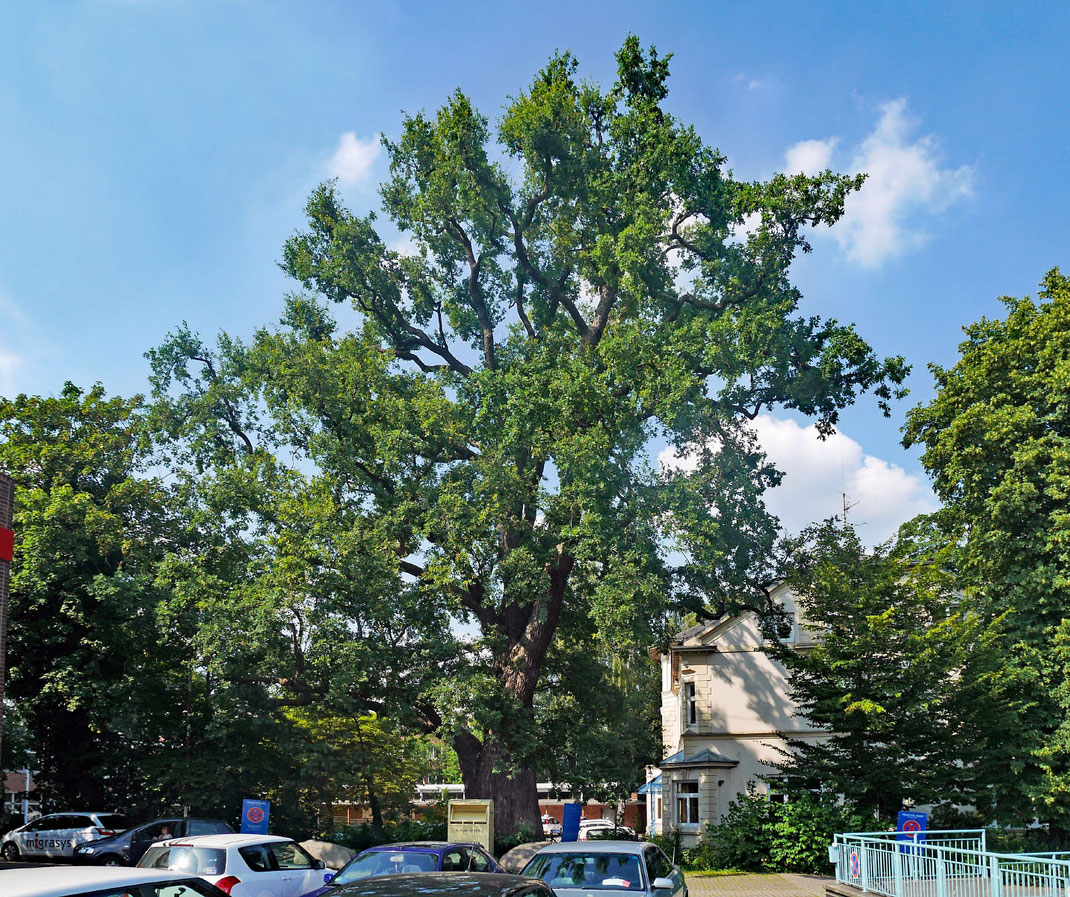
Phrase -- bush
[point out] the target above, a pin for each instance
(361, 837)
(757, 835)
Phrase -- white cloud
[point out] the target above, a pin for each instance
(9, 361)
(353, 159)
(906, 185)
(810, 156)
(817, 473)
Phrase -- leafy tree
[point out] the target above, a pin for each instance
(996, 441)
(475, 450)
(86, 668)
(905, 677)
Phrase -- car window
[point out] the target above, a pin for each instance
(385, 862)
(587, 870)
(257, 857)
(44, 824)
(478, 861)
(116, 822)
(155, 831)
(655, 866)
(289, 855)
(454, 861)
(185, 858)
(72, 820)
(203, 827)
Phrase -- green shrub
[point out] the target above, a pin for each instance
(361, 837)
(758, 835)
(670, 846)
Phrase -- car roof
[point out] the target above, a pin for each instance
(425, 845)
(54, 881)
(598, 846)
(429, 884)
(228, 839)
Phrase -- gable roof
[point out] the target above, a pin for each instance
(705, 757)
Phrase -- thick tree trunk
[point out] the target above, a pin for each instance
(515, 794)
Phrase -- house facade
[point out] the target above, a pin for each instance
(725, 719)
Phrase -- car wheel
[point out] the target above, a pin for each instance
(10, 852)
(111, 859)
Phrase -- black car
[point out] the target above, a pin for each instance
(446, 884)
(125, 849)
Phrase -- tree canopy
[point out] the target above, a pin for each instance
(904, 674)
(475, 450)
(996, 441)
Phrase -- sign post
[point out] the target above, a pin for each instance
(254, 816)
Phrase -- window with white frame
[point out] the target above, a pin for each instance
(690, 705)
(687, 803)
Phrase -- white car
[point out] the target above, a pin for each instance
(57, 834)
(600, 827)
(241, 865)
(68, 881)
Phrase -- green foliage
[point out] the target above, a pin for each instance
(361, 837)
(905, 675)
(996, 439)
(760, 835)
(475, 449)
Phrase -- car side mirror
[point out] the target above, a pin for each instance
(663, 884)
(319, 864)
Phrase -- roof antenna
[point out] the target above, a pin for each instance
(847, 505)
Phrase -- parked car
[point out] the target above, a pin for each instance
(575, 869)
(590, 829)
(446, 884)
(125, 849)
(413, 856)
(550, 826)
(57, 834)
(241, 865)
(63, 881)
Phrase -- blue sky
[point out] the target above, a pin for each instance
(156, 153)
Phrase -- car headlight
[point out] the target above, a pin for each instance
(85, 849)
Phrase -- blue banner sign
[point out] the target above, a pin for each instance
(254, 816)
(570, 822)
(911, 827)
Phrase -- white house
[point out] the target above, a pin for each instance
(725, 714)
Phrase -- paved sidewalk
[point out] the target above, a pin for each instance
(753, 885)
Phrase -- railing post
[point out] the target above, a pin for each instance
(941, 873)
(993, 867)
(863, 856)
(897, 870)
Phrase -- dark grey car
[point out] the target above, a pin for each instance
(127, 848)
(445, 884)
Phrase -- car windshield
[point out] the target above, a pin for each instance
(610, 871)
(386, 862)
(187, 859)
(116, 822)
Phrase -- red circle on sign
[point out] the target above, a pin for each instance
(255, 814)
(912, 825)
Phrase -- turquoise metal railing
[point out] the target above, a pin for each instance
(945, 863)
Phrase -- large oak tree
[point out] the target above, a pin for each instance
(587, 283)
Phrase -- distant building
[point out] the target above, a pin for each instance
(725, 717)
(17, 786)
(551, 802)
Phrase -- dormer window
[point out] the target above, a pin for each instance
(690, 705)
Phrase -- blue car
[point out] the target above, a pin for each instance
(414, 856)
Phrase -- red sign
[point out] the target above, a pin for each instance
(7, 544)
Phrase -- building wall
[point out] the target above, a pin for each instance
(743, 708)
